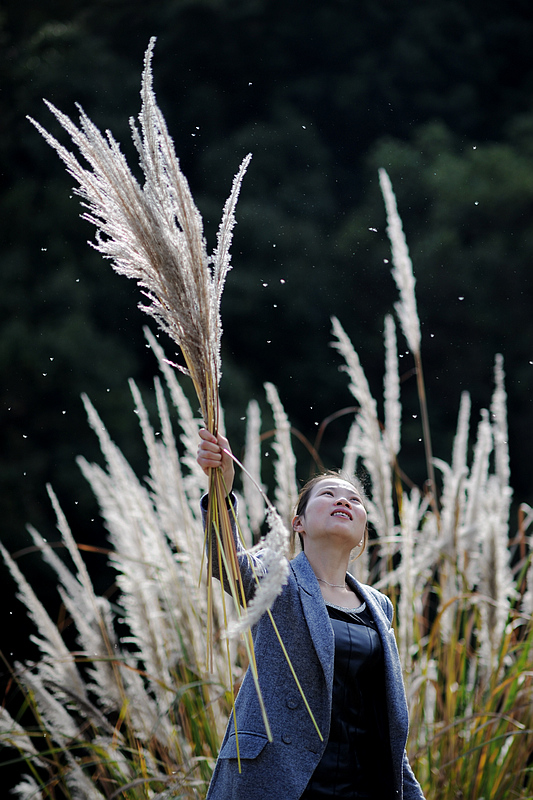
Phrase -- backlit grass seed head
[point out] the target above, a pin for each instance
(403, 268)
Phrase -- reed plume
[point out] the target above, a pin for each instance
(154, 234)
(406, 309)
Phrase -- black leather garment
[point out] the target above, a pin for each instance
(356, 763)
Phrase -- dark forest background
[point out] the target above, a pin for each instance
(322, 94)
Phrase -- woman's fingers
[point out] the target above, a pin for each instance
(211, 455)
(209, 451)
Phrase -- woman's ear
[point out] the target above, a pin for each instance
(297, 524)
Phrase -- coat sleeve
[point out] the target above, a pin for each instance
(411, 787)
(250, 564)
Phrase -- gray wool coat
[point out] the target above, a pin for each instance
(281, 769)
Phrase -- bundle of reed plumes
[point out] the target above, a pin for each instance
(154, 234)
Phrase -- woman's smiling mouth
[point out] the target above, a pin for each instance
(341, 512)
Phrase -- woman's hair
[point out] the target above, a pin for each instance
(305, 494)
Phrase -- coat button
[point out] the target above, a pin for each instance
(286, 738)
(292, 702)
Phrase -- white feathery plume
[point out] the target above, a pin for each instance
(402, 271)
(58, 664)
(407, 313)
(352, 449)
(79, 784)
(60, 725)
(285, 468)
(58, 671)
(15, 735)
(496, 581)
(251, 477)
(391, 389)
(168, 487)
(373, 449)
(453, 493)
(453, 509)
(27, 789)
(85, 594)
(163, 604)
(501, 436)
(152, 597)
(460, 442)
(141, 555)
(527, 600)
(92, 617)
(408, 524)
(195, 483)
(496, 573)
(480, 469)
(165, 481)
(154, 234)
(417, 558)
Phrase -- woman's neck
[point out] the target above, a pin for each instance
(330, 567)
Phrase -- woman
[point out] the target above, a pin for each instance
(339, 638)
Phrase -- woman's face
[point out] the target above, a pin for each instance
(334, 509)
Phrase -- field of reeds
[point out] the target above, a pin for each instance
(132, 710)
(133, 704)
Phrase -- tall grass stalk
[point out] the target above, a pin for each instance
(406, 308)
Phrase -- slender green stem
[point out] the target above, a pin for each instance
(426, 433)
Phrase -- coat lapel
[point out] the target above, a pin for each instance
(316, 615)
(396, 700)
(378, 615)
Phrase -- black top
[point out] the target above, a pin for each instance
(356, 763)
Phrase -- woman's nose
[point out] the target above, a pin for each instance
(343, 501)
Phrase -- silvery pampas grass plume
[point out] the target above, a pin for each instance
(154, 233)
(407, 312)
(500, 433)
(373, 449)
(391, 388)
(526, 512)
(14, 735)
(403, 268)
(251, 476)
(27, 789)
(285, 467)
